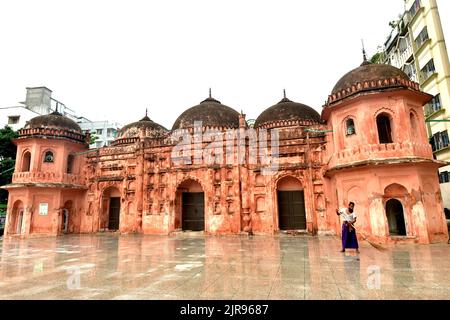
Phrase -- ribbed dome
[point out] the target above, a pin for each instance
(211, 113)
(152, 129)
(367, 72)
(53, 120)
(287, 110)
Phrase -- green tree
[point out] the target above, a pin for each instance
(7, 158)
(94, 137)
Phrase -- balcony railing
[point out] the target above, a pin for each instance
(46, 177)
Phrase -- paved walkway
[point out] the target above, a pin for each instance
(109, 266)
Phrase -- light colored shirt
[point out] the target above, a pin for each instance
(347, 216)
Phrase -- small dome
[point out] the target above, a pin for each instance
(288, 110)
(211, 113)
(152, 129)
(53, 120)
(367, 72)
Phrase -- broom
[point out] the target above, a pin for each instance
(373, 244)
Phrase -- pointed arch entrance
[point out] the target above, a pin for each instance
(395, 211)
(66, 216)
(291, 204)
(16, 218)
(396, 218)
(191, 206)
(110, 218)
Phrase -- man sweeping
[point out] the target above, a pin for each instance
(349, 240)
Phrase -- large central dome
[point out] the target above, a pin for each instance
(287, 110)
(211, 113)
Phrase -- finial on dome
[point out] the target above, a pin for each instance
(146, 112)
(363, 51)
(284, 93)
(210, 93)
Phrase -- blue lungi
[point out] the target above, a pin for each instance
(349, 240)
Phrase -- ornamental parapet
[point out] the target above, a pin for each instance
(393, 82)
(46, 177)
(54, 133)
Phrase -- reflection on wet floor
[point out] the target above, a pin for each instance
(111, 266)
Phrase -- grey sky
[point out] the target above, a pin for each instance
(112, 59)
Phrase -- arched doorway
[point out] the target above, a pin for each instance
(191, 206)
(66, 216)
(110, 217)
(396, 218)
(291, 204)
(15, 225)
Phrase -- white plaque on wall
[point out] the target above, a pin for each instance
(43, 209)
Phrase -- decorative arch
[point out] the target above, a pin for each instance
(67, 217)
(70, 163)
(396, 198)
(395, 214)
(349, 125)
(48, 156)
(385, 125)
(186, 178)
(395, 190)
(15, 219)
(190, 204)
(284, 175)
(260, 204)
(290, 203)
(26, 161)
(110, 208)
(414, 123)
(387, 110)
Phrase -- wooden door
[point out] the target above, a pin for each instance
(291, 210)
(193, 211)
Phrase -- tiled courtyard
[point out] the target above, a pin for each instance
(111, 266)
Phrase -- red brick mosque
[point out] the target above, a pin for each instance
(287, 172)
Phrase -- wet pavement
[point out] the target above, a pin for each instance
(111, 266)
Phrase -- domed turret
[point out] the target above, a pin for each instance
(149, 128)
(285, 112)
(53, 120)
(370, 77)
(211, 113)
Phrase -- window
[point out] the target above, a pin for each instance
(99, 132)
(48, 157)
(111, 133)
(434, 105)
(13, 119)
(444, 177)
(413, 121)
(26, 161)
(439, 141)
(422, 37)
(410, 71)
(414, 8)
(428, 70)
(70, 160)
(384, 129)
(350, 127)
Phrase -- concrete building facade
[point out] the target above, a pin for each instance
(39, 101)
(417, 46)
